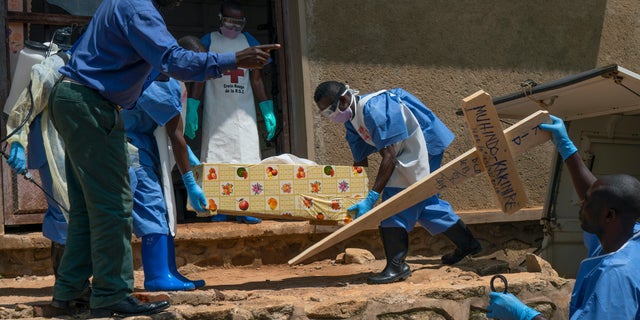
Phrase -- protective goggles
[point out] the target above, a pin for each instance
(328, 112)
(232, 23)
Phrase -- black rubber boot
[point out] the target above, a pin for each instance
(396, 247)
(465, 243)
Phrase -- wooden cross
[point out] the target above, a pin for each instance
(493, 154)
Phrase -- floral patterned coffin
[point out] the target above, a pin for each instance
(321, 193)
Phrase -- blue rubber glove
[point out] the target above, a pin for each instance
(560, 137)
(507, 307)
(193, 160)
(365, 205)
(191, 122)
(266, 107)
(17, 159)
(196, 196)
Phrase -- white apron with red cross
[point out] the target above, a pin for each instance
(229, 129)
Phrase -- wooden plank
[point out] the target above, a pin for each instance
(521, 137)
(470, 217)
(495, 216)
(492, 146)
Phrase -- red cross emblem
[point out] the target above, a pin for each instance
(235, 74)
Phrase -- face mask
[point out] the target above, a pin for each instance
(229, 33)
(345, 115)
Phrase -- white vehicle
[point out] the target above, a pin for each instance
(601, 109)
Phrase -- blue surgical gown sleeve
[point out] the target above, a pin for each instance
(359, 148)
(252, 41)
(436, 133)
(37, 156)
(384, 120)
(206, 41)
(161, 101)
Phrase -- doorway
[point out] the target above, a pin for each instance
(198, 18)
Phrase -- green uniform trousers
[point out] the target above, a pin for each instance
(96, 164)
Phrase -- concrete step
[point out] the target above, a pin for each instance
(229, 244)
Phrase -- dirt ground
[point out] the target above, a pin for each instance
(324, 274)
(38, 289)
(323, 289)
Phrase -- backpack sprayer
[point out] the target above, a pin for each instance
(33, 53)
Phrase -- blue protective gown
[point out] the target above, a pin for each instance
(608, 285)
(54, 225)
(158, 104)
(386, 126)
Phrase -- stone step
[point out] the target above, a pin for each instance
(270, 242)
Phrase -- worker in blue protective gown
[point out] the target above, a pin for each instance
(29, 126)
(411, 141)
(608, 283)
(124, 41)
(159, 105)
(54, 223)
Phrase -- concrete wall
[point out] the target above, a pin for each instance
(443, 51)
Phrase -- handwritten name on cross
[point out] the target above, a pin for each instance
(495, 156)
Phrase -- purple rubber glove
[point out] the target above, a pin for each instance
(196, 196)
(365, 205)
(17, 159)
(560, 137)
(506, 306)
